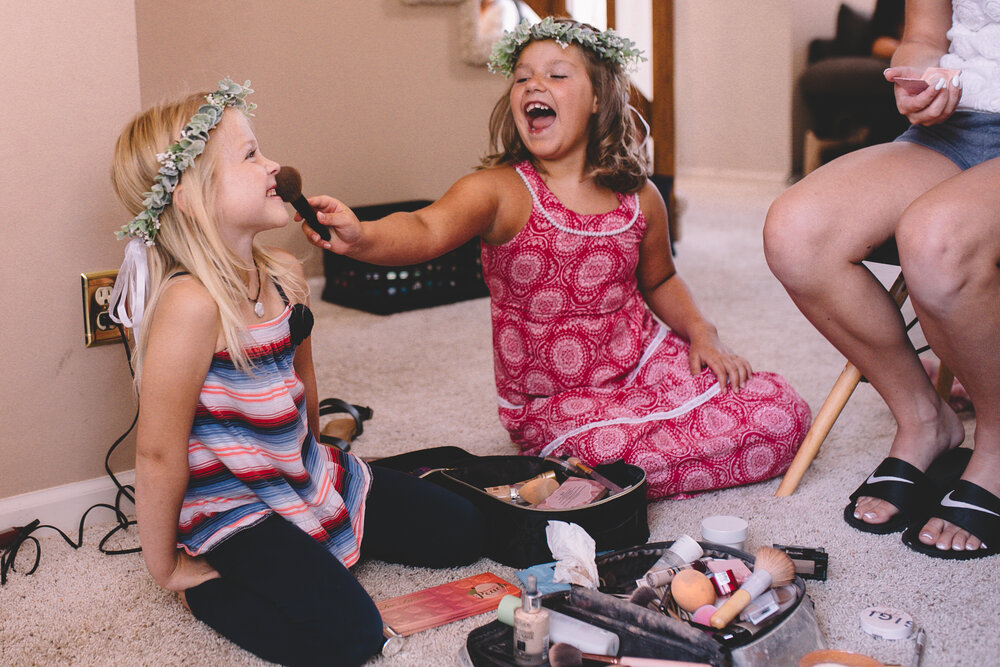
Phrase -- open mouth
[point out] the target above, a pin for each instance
(272, 192)
(540, 116)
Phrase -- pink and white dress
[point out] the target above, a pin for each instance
(583, 367)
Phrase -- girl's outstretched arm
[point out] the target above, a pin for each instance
(184, 334)
(468, 209)
(669, 298)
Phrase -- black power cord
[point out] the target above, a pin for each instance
(24, 534)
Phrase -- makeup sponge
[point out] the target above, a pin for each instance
(691, 589)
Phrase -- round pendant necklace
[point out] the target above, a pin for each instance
(258, 307)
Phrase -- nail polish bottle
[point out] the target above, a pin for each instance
(531, 627)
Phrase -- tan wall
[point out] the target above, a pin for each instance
(368, 98)
(70, 81)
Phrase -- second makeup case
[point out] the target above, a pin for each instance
(516, 532)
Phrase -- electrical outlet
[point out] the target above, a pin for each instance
(97, 324)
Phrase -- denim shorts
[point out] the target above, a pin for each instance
(966, 138)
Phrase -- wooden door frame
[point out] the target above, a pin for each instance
(659, 112)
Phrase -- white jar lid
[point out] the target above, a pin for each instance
(722, 529)
(886, 622)
(687, 548)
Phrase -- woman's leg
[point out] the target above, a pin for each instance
(815, 237)
(284, 597)
(949, 243)
(416, 522)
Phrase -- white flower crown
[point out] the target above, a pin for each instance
(181, 154)
(607, 44)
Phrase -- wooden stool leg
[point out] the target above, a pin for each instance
(945, 379)
(827, 415)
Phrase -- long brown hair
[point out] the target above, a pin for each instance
(615, 158)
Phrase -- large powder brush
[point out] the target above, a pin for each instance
(289, 188)
(772, 568)
(566, 655)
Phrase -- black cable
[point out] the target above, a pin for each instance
(8, 555)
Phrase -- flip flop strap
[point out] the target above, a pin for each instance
(899, 483)
(972, 508)
(359, 413)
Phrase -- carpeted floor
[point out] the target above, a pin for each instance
(428, 376)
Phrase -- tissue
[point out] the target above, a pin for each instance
(574, 552)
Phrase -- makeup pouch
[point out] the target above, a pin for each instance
(517, 532)
(645, 633)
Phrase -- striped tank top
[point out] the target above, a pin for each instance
(251, 453)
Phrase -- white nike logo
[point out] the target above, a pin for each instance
(948, 502)
(872, 479)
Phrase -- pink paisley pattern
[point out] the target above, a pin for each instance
(583, 367)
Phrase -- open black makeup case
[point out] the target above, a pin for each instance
(517, 532)
(647, 633)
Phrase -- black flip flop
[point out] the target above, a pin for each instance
(970, 507)
(910, 490)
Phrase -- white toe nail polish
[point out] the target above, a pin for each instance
(869, 515)
(926, 535)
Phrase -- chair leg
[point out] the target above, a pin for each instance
(827, 415)
(829, 411)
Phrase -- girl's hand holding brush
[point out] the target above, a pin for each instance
(772, 568)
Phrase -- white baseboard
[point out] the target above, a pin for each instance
(63, 506)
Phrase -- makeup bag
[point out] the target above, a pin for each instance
(517, 532)
(646, 633)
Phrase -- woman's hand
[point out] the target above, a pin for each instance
(343, 223)
(730, 369)
(188, 572)
(932, 105)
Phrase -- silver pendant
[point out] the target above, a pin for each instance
(258, 308)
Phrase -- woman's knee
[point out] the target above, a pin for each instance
(793, 236)
(936, 256)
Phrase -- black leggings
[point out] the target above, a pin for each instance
(284, 597)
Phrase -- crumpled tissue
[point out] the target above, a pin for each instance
(574, 551)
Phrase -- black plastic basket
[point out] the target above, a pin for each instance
(452, 277)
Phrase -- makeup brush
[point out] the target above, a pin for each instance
(289, 188)
(567, 655)
(772, 568)
(594, 475)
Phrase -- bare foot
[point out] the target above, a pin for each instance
(918, 449)
(984, 471)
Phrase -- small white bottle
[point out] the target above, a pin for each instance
(684, 550)
(531, 627)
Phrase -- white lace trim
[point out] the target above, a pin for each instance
(578, 232)
(700, 399)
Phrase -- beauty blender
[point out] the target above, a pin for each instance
(691, 589)
(772, 568)
(289, 188)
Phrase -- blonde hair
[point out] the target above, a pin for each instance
(189, 240)
(615, 158)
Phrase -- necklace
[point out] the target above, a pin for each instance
(258, 307)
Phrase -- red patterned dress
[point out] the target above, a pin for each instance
(583, 367)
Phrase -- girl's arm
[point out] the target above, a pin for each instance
(183, 337)
(924, 42)
(669, 298)
(471, 207)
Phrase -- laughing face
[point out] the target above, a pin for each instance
(552, 100)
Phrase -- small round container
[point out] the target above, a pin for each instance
(729, 531)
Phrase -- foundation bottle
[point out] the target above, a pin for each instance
(531, 627)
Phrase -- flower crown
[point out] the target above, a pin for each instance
(181, 154)
(608, 44)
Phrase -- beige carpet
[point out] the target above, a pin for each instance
(428, 375)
